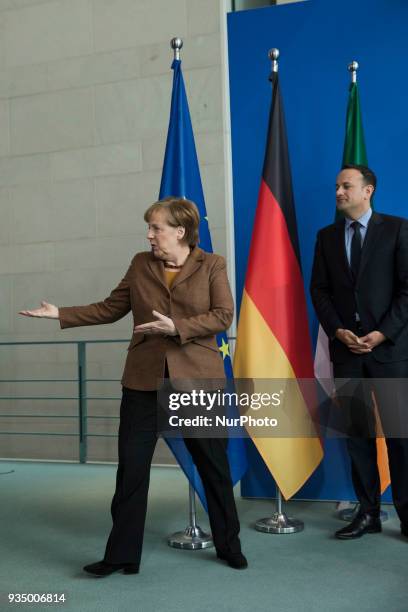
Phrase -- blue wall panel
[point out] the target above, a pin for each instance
(317, 40)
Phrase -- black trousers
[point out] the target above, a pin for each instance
(137, 441)
(356, 401)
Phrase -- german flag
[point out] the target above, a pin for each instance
(273, 338)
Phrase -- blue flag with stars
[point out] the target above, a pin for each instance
(181, 178)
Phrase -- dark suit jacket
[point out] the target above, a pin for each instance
(379, 295)
(199, 302)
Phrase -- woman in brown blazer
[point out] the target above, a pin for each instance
(180, 299)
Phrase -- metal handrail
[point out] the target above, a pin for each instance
(81, 397)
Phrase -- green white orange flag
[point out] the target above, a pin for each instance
(273, 340)
(354, 152)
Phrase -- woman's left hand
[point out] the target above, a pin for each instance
(163, 325)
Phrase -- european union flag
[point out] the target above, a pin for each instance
(181, 178)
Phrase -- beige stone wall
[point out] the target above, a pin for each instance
(84, 105)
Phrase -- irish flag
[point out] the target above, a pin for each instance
(354, 153)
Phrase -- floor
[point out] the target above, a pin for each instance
(54, 518)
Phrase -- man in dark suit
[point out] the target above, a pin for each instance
(359, 289)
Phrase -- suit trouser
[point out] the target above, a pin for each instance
(392, 404)
(137, 441)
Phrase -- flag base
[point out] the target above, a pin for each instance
(192, 538)
(349, 514)
(279, 523)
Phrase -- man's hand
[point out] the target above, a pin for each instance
(373, 339)
(47, 311)
(163, 325)
(354, 343)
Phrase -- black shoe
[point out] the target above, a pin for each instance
(235, 560)
(404, 529)
(130, 568)
(103, 568)
(363, 523)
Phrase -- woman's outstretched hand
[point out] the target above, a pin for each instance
(47, 311)
(162, 325)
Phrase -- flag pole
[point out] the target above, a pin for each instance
(193, 537)
(349, 512)
(279, 522)
(352, 68)
(346, 511)
(176, 44)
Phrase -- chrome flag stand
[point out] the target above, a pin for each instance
(346, 511)
(193, 537)
(181, 178)
(279, 522)
(350, 513)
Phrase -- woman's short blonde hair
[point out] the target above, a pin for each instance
(180, 213)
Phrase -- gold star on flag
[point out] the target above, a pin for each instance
(224, 349)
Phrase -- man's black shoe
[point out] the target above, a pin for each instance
(363, 523)
(102, 568)
(404, 529)
(130, 568)
(234, 560)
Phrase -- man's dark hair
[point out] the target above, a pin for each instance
(368, 175)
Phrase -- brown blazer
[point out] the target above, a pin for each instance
(199, 302)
